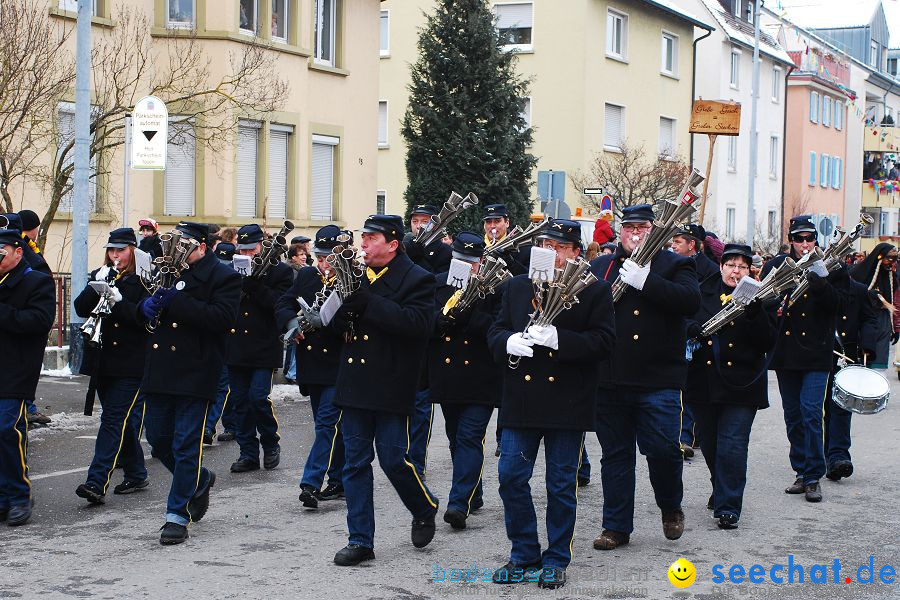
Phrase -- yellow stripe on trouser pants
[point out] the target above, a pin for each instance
(199, 462)
(23, 446)
(121, 441)
(428, 497)
(480, 475)
(580, 458)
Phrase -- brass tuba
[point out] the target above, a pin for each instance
(272, 251)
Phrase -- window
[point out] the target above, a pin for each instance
(279, 150)
(826, 111)
(732, 153)
(776, 84)
(66, 135)
(666, 137)
(382, 123)
(181, 13)
(669, 54)
(734, 78)
(526, 114)
(247, 161)
(72, 6)
(321, 203)
(812, 168)
(729, 223)
(838, 115)
(892, 66)
(814, 107)
(616, 34)
(885, 222)
(873, 54)
(385, 25)
(514, 22)
(179, 173)
(837, 172)
(772, 224)
(280, 20)
(773, 156)
(614, 126)
(824, 162)
(737, 8)
(325, 32)
(380, 202)
(750, 11)
(248, 16)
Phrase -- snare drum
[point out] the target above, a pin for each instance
(861, 390)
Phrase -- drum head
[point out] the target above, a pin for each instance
(861, 390)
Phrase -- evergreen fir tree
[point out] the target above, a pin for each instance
(463, 127)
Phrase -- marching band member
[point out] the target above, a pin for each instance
(221, 407)
(463, 380)
(689, 242)
(802, 362)
(318, 352)
(117, 366)
(33, 256)
(253, 351)
(436, 256)
(184, 362)
(727, 383)
(392, 316)
(27, 310)
(495, 218)
(550, 396)
(637, 404)
(878, 273)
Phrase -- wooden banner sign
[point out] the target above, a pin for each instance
(716, 117)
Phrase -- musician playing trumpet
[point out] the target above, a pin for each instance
(495, 218)
(549, 395)
(727, 382)
(116, 368)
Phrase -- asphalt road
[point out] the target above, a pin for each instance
(258, 542)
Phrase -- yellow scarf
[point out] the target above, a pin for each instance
(725, 299)
(488, 241)
(452, 301)
(31, 244)
(373, 276)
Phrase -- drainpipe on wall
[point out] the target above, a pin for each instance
(693, 90)
(791, 69)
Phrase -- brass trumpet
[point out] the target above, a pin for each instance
(516, 237)
(348, 268)
(92, 328)
(451, 209)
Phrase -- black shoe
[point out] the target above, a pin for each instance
(839, 469)
(728, 521)
(423, 531)
(352, 555)
(309, 497)
(271, 458)
(242, 465)
(456, 518)
(90, 493)
(796, 488)
(673, 524)
(208, 437)
(709, 503)
(513, 573)
(130, 487)
(477, 504)
(172, 533)
(199, 504)
(584, 481)
(19, 515)
(687, 451)
(332, 491)
(3, 512)
(225, 436)
(813, 492)
(552, 578)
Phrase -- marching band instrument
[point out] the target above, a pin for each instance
(516, 237)
(348, 268)
(166, 268)
(272, 251)
(861, 390)
(559, 294)
(491, 274)
(664, 226)
(451, 209)
(92, 329)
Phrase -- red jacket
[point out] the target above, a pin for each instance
(603, 232)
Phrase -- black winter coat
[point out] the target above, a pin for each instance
(34, 259)
(379, 366)
(124, 346)
(151, 245)
(554, 389)
(254, 340)
(650, 323)
(707, 269)
(742, 347)
(857, 320)
(187, 350)
(436, 258)
(806, 337)
(318, 353)
(460, 365)
(27, 310)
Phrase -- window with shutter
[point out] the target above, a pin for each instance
(382, 123)
(666, 137)
(776, 84)
(823, 170)
(279, 145)
(179, 173)
(247, 161)
(380, 202)
(322, 176)
(812, 168)
(773, 156)
(65, 135)
(385, 33)
(814, 107)
(614, 126)
(515, 22)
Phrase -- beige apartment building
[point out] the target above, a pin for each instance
(603, 72)
(312, 161)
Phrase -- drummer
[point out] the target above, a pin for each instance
(727, 383)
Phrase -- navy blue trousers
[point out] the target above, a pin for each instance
(119, 436)
(420, 430)
(326, 455)
(15, 487)
(803, 400)
(254, 412)
(466, 427)
(222, 408)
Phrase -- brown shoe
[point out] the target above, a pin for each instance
(687, 451)
(796, 488)
(39, 418)
(609, 540)
(673, 524)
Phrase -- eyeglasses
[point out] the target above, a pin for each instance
(736, 267)
(805, 238)
(630, 227)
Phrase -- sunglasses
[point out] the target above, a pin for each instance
(805, 238)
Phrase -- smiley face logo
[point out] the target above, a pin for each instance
(682, 573)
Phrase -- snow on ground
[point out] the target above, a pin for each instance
(285, 394)
(64, 372)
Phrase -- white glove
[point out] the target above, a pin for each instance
(544, 336)
(519, 345)
(819, 268)
(114, 296)
(102, 273)
(634, 274)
